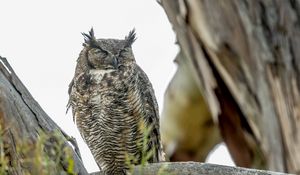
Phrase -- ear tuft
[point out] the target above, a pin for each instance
(130, 38)
(90, 38)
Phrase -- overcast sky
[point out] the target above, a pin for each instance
(41, 40)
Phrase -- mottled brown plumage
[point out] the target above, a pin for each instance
(111, 97)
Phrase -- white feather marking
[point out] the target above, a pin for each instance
(97, 75)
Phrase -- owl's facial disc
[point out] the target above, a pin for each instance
(110, 54)
(102, 59)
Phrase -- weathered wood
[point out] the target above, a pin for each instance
(244, 55)
(195, 168)
(22, 122)
(185, 114)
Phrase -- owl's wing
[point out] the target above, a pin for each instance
(76, 99)
(151, 113)
(70, 86)
(147, 90)
(69, 92)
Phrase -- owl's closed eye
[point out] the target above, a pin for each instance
(106, 54)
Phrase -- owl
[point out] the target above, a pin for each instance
(113, 104)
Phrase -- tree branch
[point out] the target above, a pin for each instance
(194, 168)
(23, 123)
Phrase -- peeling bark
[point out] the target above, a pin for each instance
(244, 56)
(22, 123)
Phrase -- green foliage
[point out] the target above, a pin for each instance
(132, 160)
(48, 155)
(3, 159)
(146, 154)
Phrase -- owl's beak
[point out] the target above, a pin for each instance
(115, 62)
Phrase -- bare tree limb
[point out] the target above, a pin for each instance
(195, 168)
(244, 56)
(23, 121)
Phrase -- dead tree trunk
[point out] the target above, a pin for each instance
(244, 56)
(23, 123)
(31, 143)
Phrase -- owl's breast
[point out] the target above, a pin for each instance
(108, 88)
(112, 79)
(98, 75)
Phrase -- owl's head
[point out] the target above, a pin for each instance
(108, 54)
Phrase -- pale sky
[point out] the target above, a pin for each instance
(42, 40)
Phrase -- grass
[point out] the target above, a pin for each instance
(146, 154)
(3, 159)
(48, 154)
(45, 156)
(131, 160)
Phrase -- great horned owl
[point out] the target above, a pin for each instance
(111, 97)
